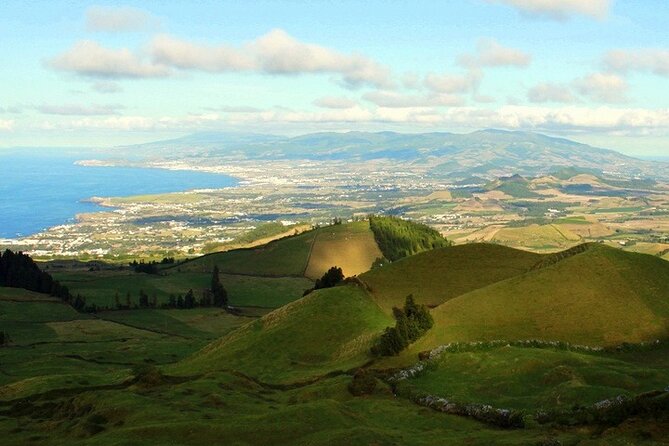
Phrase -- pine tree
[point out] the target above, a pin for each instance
(218, 291)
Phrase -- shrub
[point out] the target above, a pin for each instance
(363, 383)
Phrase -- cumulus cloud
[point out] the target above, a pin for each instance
(391, 99)
(170, 51)
(336, 102)
(451, 84)
(560, 9)
(118, 19)
(491, 53)
(654, 61)
(273, 53)
(80, 110)
(601, 87)
(550, 92)
(88, 58)
(278, 52)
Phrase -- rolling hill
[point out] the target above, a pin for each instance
(436, 276)
(350, 246)
(602, 296)
(329, 329)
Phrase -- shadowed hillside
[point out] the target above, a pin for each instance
(436, 276)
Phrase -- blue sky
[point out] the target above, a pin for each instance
(77, 73)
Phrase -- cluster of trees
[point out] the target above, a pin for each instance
(217, 296)
(4, 338)
(18, 270)
(150, 267)
(399, 238)
(411, 322)
(331, 278)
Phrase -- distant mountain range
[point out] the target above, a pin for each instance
(487, 153)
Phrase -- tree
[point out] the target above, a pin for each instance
(331, 278)
(220, 295)
(143, 299)
(189, 300)
(411, 322)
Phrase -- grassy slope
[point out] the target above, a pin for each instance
(434, 277)
(603, 296)
(327, 330)
(532, 378)
(270, 292)
(549, 237)
(351, 247)
(284, 257)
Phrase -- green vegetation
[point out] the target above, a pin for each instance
(602, 296)
(399, 238)
(411, 322)
(342, 324)
(533, 379)
(331, 278)
(304, 373)
(283, 257)
(437, 276)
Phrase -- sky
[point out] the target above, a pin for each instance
(76, 73)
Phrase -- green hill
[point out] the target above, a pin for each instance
(436, 276)
(283, 257)
(350, 246)
(330, 329)
(603, 296)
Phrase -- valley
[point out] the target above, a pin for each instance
(517, 354)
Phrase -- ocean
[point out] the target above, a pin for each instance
(41, 190)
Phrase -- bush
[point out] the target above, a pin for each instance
(411, 323)
(363, 383)
(331, 278)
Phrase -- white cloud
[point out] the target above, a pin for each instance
(607, 88)
(491, 53)
(106, 87)
(278, 52)
(655, 61)
(80, 110)
(88, 58)
(273, 53)
(560, 9)
(7, 125)
(564, 120)
(112, 19)
(450, 84)
(337, 102)
(550, 92)
(391, 99)
(167, 50)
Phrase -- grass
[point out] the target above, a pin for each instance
(330, 329)
(551, 237)
(436, 276)
(283, 257)
(534, 378)
(267, 292)
(102, 290)
(351, 247)
(603, 296)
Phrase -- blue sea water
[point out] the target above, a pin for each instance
(37, 192)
